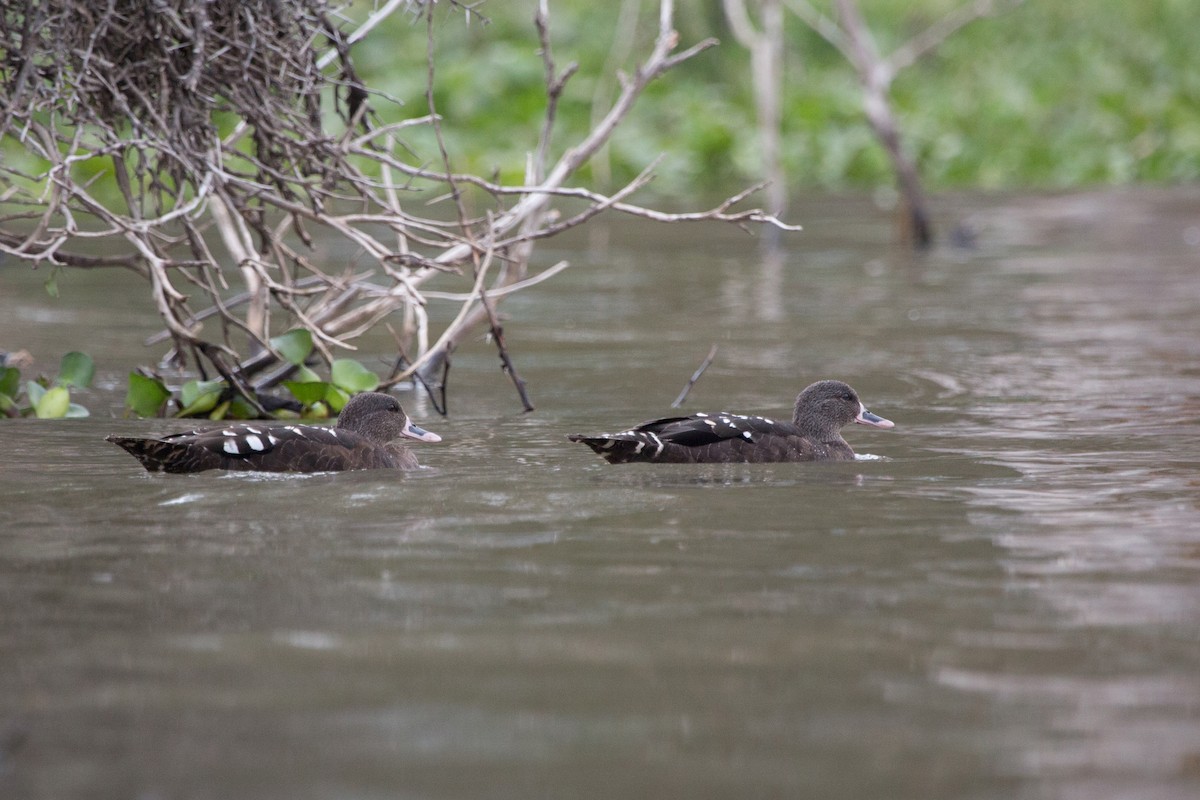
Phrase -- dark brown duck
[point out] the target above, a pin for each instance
(814, 434)
(368, 435)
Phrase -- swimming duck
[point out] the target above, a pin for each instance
(814, 434)
(367, 436)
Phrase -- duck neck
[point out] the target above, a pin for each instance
(814, 428)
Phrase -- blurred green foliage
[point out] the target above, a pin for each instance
(1049, 94)
(43, 398)
(1053, 93)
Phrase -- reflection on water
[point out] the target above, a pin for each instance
(1000, 599)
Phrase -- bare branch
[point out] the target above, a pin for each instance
(310, 200)
(823, 25)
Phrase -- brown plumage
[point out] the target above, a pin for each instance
(814, 434)
(367, 436)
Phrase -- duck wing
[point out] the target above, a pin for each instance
(720, 437)
(244, 446)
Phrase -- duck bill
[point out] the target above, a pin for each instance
(420, 434)
(867, 418)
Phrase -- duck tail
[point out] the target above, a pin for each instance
(622, 448)
(159, 456)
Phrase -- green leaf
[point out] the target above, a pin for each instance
(348, 374)
(34, 391)
(308, 392)
(193, 391)
(199, 397)
(336, 399)
(220, 411)
(306, 375)
(294, 346)
(51, 284)
(240, 409)
(76, 369)
(53, 404)
(10, 382)
(146, 396)
(76, 411)
(316, 411)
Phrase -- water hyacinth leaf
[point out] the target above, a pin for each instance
(307, 392)
(76, 411)
(199, 397)
(204, 404)
(146, 396)
(337, 399)
(10, 385)
(316, 411)
(348, 374)
(294, 346)
(193, 391)
(10, 382)
(34, 391)
(305, 375)
(239, 408)
(53, 404)
(220, 411)
(76, 369)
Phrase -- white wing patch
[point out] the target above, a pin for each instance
(230, 445)
(255, 443)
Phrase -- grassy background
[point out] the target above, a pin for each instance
(1051, 94)
(1054, 93)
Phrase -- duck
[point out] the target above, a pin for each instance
(814, 433)
(367, 435)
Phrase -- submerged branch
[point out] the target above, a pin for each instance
(708, 359)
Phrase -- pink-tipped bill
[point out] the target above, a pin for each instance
(422, 435)
(867, 418)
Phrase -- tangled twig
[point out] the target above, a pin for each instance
(228, 170)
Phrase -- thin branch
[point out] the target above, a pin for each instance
(545, 274)
(823, 25)
(555, 84)
(708, 359)
(928, 40)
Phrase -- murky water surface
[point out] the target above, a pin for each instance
(1007, 605)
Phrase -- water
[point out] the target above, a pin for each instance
(1005, 604)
